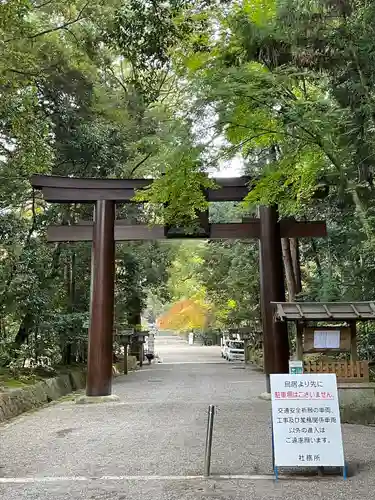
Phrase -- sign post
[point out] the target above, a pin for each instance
(306, 421)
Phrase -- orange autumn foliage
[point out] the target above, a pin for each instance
(184, 315)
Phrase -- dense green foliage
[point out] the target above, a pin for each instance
(135, 88)
(70, 106)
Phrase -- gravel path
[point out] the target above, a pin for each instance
(158, 429)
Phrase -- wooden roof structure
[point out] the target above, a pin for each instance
(324, 311)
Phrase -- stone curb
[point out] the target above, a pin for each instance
(17, 401)
(14, 402)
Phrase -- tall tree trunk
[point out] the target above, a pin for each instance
(296, 262)
(288, 267)
(24, 330)
(2, 328)
(73, 298)
(362, 213)
(68, 349)
(316, 258)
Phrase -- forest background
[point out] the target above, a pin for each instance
(279, 90)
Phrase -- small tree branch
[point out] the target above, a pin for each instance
(65, 28)
(78, 18)
(265, 130)
(23, 73)
(139, 164)
(118, 80)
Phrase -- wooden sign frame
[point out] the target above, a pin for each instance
(308, 339)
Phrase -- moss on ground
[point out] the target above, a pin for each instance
(16, 381)
(23, 377)
(71, 397)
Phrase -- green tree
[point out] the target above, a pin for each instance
(68, 108)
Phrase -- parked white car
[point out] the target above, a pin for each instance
(233, 350)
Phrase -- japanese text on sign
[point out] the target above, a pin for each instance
(306, 420)
(303, 395)
(326, 339)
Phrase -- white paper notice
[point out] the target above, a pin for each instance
(306, 421)
(151, 343)
(326, 339)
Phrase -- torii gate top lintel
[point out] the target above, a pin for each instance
(58, 189)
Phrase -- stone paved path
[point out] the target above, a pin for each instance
(150, 445)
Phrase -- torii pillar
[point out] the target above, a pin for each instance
(99, 362)
(272, 289)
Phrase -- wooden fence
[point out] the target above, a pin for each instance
(346, 371)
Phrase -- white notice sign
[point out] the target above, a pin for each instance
(326, 339)
(151, 343)
(306, 420)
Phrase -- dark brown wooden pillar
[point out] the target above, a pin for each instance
(140, 354)
(134, 320)
(125, 359)
(99, 369)
(299, 341)
(296, 260)
(275, 334)
(353, 341)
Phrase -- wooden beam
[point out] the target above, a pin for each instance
(126, 195)
(76, 195)
(300, 310)
(235, 231)
(123, 232)
(329, 314)
(290, 228)
(82, 231)
(299, 229)
(59, 182)
(355, 310)
(68, 190)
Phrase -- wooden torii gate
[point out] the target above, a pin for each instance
(105, 231)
